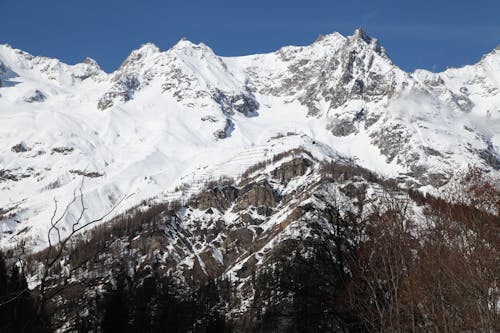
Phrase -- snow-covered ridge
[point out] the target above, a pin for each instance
(44, 68)
(165, 118)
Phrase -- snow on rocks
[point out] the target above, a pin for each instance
(187, 115)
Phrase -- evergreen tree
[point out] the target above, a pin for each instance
(17, 280)
(144, 304)
(17, 306)
(3, 276)
(174, 315)
(217, 324)
(116, 313)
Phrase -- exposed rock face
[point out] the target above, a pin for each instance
(123, 90)
(256, 195)
(251, 195)
(62, 150)
(390, 141)
(226, 131)
(89, 69)
(352, 71)
(490, 156)
(35, 96)
(6, 174)
(106, 101)
(130, 77)
(3, 70)
(88, 174)
(289, 170)
(281, 214)
(242, 103)
(20, 148)
(342, 127)
(458, 100)
(216, 198)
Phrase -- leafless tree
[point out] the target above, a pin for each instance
(440, 275)
(52, 257)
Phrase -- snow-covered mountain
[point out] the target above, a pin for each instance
(166, 122)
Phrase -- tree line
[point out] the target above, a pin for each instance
(382, 269)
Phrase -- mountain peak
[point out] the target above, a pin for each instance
(12, 51)
(492, 53)
(329, 39)
(8, 47)
(184, 43)
(145, 51)
(148, 49)
(360, 36)
(5, 46)
(333, 35)
(91, 62)
(185, 46)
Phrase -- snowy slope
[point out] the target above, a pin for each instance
(186, 115)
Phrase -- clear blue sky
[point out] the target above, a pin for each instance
(417, 34)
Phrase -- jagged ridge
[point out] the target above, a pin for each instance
(166, 119)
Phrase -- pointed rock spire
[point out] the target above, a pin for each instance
(360, 35)
(146, 50)
(91, 62)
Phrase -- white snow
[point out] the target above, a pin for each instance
(161, 138)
